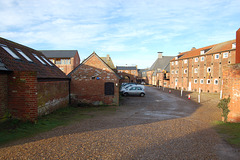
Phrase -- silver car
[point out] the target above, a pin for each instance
(134, 91)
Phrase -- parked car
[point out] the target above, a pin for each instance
(135, 90)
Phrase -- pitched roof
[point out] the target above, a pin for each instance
(59, 53)
(109, 61)
(27, 61)
(85, 60)
(162, 63)
(126, 67)
(2, 66)
(220, 47)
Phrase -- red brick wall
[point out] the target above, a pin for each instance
(87, 88)
(3, 93)
(22, 95)
(231, 87)
(52, 95)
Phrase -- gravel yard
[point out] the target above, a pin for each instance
(160, 125)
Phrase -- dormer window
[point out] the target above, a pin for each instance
(233, 45)
(176, 58)
(202, 52)
(9, 51)
(24, 55)
(39, 59)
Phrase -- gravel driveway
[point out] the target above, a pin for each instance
(158, 126)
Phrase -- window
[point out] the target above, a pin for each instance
(185, 71)
(9, 51)
(24, 55)
(225, 55)
(202, 52)
(195, 70)
(216, 81)
(208, 81)
(176, 72)
(39, 59)
(172, 71)
(209, 69)
(216, 56)
(172, 63)
(202, 58)
(185, 61)
(58, 61)
(201, 81)
(176, 62)
(196, 59)
(109, 88)
(195, 81)
(46, 61)
(176, 80)
(233, 45)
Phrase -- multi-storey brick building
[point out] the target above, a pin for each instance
(30, 85)
(94, 82)
(66, 60)
(202, 68)
(127, 73)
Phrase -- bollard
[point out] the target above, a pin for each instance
(189, 96)
(170, 91)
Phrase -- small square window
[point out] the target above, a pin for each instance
(176, 72)
(201, 81)
(209, 69)
(216, 81)
(195, 81)
(176, 62)
(216, 56)
(196, 59)
(195, 70)
(202, 58)
(9, 51)
(233, 45)
(202, 52)
(208, 81)
(185, 61)
(225, 55)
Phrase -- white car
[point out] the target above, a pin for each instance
(136, 90)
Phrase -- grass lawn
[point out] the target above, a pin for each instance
(11, 130)
(229, 132)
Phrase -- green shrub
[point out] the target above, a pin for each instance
(223, 104)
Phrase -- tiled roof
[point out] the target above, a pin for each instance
(162, 63)
(49, 70)
(220, 47)
(59, 53)
(126, 67)
(108, 61)
(2, 66)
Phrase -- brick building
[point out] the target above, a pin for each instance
(66, 60)
(94, 82)
(127, 73)
(202, 68)
(30, 85)
(158, 75)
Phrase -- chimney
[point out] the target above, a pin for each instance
(108, 57)
(160, 54)
(238, 46)
(193, 48)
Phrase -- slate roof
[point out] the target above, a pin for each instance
(108, 61)
(22, 64)
(126, 67)
(216, 48)
(162, 63)
(59, 53)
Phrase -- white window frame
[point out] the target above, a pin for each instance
(225, 55)
(195, 81)
(172, 71)
(216, 56)
(202, 52)
(216, 81)
(209, 80)
(176, 80)
(195, 70)
(172, 63)
(185, 71)
(23, 54)
(208, 70)
(176, 62)
(9, 51)
(176, 72)
(233, 45)
(202, 58)
(196, 59)
(201, 81)
(185, 61)
(39, 59)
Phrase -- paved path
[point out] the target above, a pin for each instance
(157, 126)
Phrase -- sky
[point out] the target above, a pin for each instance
(130, 31)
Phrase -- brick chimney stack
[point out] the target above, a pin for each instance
(108, 57)
(160, 54)
(238, 46)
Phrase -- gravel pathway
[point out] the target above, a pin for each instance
(130, 133)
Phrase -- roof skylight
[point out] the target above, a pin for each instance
(24, 55)
(39, 59)
(9, 51)
(46, 61)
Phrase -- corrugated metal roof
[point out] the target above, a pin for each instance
(126, 67)
(59, 53)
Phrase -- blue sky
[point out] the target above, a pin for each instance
(130, 31)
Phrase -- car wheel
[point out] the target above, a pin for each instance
(142, 94)
(125, 94)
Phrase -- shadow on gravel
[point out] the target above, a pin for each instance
(157, 105)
